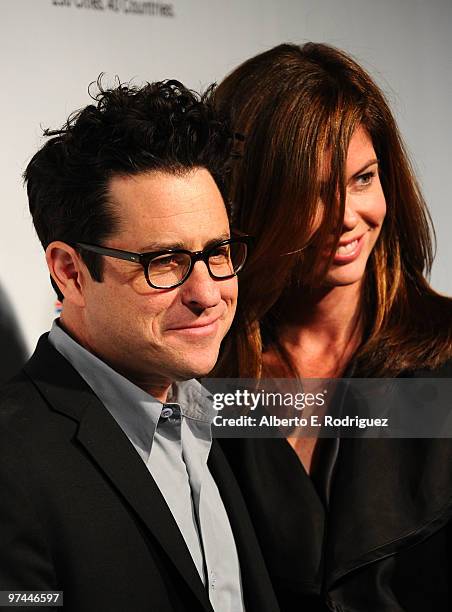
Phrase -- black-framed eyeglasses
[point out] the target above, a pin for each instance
(170, 268)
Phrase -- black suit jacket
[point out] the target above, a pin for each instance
(80, 513)
(382, 542)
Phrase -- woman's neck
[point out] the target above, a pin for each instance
(321, 329)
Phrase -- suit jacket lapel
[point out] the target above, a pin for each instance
(387, 494)
(110, 449)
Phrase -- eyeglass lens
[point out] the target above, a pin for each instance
(170, 269)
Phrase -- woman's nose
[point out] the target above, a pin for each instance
(351, 217)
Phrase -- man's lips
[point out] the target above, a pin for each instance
(199, 327)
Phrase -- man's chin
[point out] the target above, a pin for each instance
(197, 370)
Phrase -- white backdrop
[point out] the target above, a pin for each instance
(50, 51)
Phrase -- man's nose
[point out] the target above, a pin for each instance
(200, 290)
(351, 217)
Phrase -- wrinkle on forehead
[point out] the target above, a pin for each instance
(181, 213)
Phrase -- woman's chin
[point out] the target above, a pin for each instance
(341, 276)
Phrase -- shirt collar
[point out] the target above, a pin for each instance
(136, 411)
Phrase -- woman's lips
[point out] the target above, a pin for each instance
(348, 252)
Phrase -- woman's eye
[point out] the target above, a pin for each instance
(363, 180)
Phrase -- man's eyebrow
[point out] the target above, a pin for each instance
(214, 241)
(163, 246)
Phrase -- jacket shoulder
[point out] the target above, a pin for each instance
(17, 396)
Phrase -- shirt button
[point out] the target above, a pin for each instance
(213, 579)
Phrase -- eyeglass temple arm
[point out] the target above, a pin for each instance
(126, 255)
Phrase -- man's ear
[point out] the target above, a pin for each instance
(67, 270)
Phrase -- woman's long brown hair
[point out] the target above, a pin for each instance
(293, 105)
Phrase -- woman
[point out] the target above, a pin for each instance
(336, 287)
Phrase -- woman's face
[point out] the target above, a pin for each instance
(365, 210)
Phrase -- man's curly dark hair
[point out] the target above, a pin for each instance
(161, 126)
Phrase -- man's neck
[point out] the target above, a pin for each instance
(159, 389)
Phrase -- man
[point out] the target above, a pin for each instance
(107, 494)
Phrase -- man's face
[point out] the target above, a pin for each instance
(157, 336)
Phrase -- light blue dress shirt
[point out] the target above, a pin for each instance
(174, 441)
